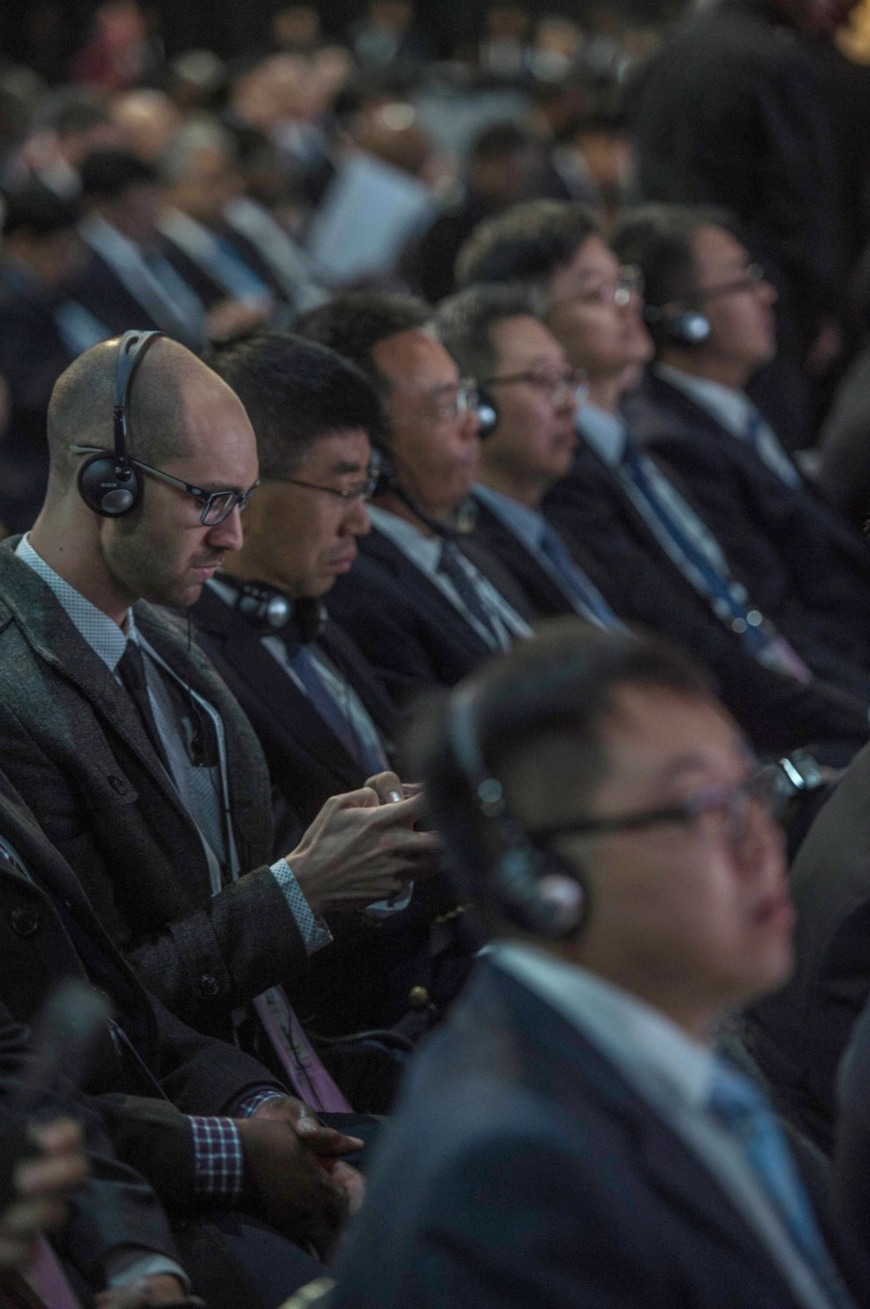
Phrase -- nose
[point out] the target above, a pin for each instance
(356, 520)
(767, 291)
(468, 425)
(229, 534)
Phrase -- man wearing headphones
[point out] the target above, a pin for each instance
(421, 611)
(710, 314)
(322, 717)
(135, 759)
(570, 1136)
(651, 552)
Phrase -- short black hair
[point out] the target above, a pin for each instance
(354, 322)
(528, 242)
(107, 174)
(500, 141)
(40, 213)
(464, 323)
(540, 714)
(658, 239)
(296, 392)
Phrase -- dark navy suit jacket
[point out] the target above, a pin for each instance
(522, 1172)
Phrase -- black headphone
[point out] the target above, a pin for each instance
(108, 483)
(535, 888)
(272, 611)
(684, 327)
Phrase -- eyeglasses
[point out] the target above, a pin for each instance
(360, 491)
(752, 278)
(620, 290)
(449, 408)
(559, 387)
(729, 807)
(216, 505)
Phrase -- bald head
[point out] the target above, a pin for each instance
(80, 412)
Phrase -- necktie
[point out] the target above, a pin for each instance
(331, 711)
(756, 632)
(740, 1107)
(450, 564)
(131, 670)
(754, 428)
(590, 601)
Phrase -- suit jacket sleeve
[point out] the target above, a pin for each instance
(116, 1207)
(199, 960)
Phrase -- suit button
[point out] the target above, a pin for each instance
(118, 784)
(209, 985)
(418, 997)
(24, 921)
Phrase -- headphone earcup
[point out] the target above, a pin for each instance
(541, 892)
(688, 328)
(108, 489)
(487, 413)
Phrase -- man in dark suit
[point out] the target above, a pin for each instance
(710, 314)
(322, 717)
(570, 1135)
(195, 1116)
(529, 395)
(421, 611)
(127, 746)
(634, 532)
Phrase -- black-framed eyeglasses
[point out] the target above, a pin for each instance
(750, 279)
(732, 805)
(216, 505)
(570, 384)
(363, 490)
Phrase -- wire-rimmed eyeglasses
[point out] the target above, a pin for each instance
(216, 505)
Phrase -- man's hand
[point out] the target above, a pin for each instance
(358, 850)
(162, 1289)
(42, 1186)
(295, 1192)
(325, 1141)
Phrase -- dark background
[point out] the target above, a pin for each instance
(42, 33)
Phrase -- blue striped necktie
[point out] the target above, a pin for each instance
(590, 601)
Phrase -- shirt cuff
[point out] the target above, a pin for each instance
(314, 932)
(218, 1157)
(248, 1107)
(130, 1265)
(395, 904)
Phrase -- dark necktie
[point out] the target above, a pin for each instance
(450, 564)
(336, 715)
(590, 601)
(131, 670)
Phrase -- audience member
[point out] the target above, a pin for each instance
(41, 332)
(151, 1102)
(570, 1135)
(710, 313)
(529, 395)
(417, 607)
(321, 715)
(653, 557)
(125, 739)
(128, 279)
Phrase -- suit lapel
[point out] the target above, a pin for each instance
(546, 592)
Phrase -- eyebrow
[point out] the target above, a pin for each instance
(347, 466)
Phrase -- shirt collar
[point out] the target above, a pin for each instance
(422, 550)
(605, 432)
(731, 408)
(103, 635)
(639, 1039)
(526, 524)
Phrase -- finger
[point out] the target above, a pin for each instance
(364, 798)
(351, 1182)
(55, 1173)
(402, 811)
(388, 787)
(327, 1141)
(62, 1135)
